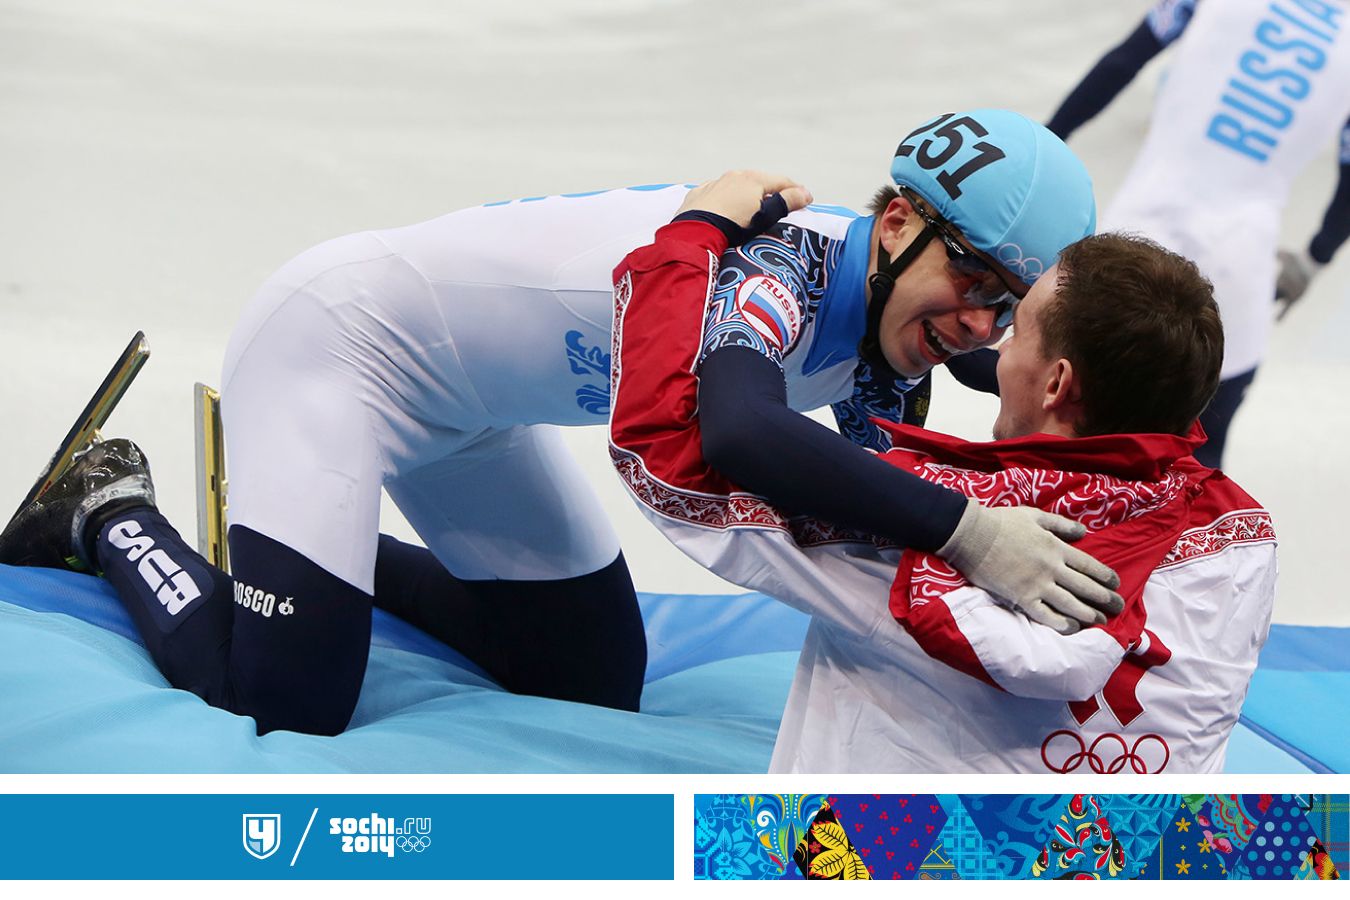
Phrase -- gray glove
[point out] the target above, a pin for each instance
(1296, 273)
(1017, 555)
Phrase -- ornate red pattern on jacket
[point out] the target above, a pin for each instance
(1095, 500)
(1241, 527)
(722, 511)
(1098, 501)
(709, 510)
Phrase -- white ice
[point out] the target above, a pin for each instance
(161, 158)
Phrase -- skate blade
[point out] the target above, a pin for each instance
(211, 483)
(86, 428)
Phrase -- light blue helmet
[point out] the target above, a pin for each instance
(1007, 183)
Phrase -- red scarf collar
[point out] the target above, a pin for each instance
(1132, 457)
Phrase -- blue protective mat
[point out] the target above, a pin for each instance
(78, 694)
(1299, 701)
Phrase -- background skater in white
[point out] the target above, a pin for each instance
(1254, 89)
(430, 360)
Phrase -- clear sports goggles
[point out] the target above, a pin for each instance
(990, 288)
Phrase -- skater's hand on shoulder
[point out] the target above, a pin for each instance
(748, 200)
(1022, 557)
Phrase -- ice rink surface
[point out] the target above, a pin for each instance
(161, 158)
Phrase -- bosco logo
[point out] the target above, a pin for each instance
(262, 602)
(770, 309)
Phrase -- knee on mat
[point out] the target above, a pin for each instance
(584, 641)
(300, 644)
(314, 693)
(604, 678)
(306, 717)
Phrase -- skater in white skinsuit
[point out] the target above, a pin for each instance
(429, 352)
(435, 361)
(1254, 89)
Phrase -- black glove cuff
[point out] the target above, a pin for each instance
(771, 210)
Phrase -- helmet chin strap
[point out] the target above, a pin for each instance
(882, 282)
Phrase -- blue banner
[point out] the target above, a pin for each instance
(927, 837)
(350, 837)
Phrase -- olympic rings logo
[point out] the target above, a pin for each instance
(412, 843)
(1010, 256)
(1132, 756)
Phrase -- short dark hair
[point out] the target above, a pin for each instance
(882, 199)
(1140, 325)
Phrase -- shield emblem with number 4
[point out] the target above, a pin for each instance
(262, 834)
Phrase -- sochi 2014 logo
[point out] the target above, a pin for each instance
(381, 834)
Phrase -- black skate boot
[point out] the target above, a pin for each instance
(53, 530)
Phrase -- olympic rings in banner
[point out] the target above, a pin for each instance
(412, 843)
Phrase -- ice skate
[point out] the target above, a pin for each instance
(53, 530)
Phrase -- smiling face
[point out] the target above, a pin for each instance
(1026, 373)
(927, 319)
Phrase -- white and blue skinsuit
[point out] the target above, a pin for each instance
(432, 351)
(434, 361)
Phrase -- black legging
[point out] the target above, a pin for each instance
(576, 638)
(286, 642)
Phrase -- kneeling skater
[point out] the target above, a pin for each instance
(431, 361)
